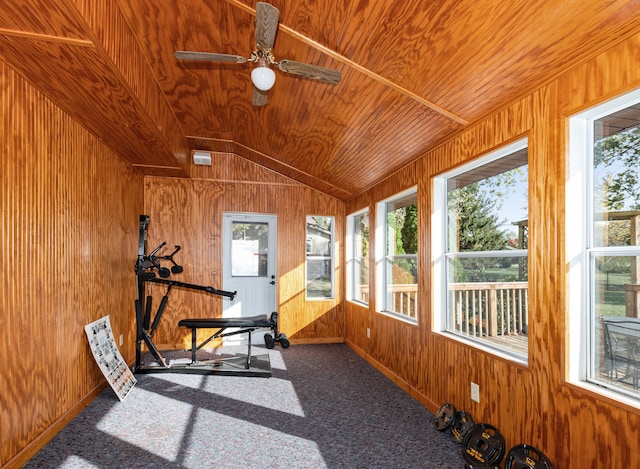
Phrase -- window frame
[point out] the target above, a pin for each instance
(352, 261)
(381, 257)
(331, 258)
(440, 253)
(581, 250)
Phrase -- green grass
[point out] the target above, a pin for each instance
(500, 274)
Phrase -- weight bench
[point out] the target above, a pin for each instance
(244, 325)
(239, 365)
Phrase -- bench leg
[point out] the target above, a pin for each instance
(248, 364)
(193, 344)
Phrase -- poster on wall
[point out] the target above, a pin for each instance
(107, 356)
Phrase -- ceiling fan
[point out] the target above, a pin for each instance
(262, 76)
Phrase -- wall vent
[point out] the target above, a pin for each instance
(202, 158)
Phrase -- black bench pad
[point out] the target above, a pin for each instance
(217, 323)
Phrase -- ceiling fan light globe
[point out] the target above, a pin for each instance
(263, 78)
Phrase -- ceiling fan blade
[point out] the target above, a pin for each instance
(259, 97)
(267, 17)
(315, 72)
(209, 57)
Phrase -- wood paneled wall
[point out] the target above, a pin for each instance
(68, 237)
(531, 404)
(69, 233)
(189, 213)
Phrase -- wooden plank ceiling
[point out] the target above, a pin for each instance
(413, 73)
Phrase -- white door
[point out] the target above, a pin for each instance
(249, 268)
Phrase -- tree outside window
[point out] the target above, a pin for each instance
(398, 273)
(484, 208)
(606, 147)
(616, 210)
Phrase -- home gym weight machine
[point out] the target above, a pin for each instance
(149, 271)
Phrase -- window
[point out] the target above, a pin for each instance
(480, 251)
(603, 199)
(319, 257)
(397, 255)
(358, 257)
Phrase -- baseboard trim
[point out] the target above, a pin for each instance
(324, 340)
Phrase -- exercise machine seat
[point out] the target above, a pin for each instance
(216, 323)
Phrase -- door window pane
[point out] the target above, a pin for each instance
(249, 249)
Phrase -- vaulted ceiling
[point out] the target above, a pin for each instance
(413, 73)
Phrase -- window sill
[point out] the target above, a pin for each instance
(504, 354)
(359, 303)
(399, 317)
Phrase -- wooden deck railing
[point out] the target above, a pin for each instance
(482, 309)
(404, 299)
(490, 309)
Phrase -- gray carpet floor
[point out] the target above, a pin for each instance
(323, 407)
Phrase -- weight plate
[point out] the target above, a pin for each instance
(461, 426)
(445, 416)
(483, 444)
(526, 457)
